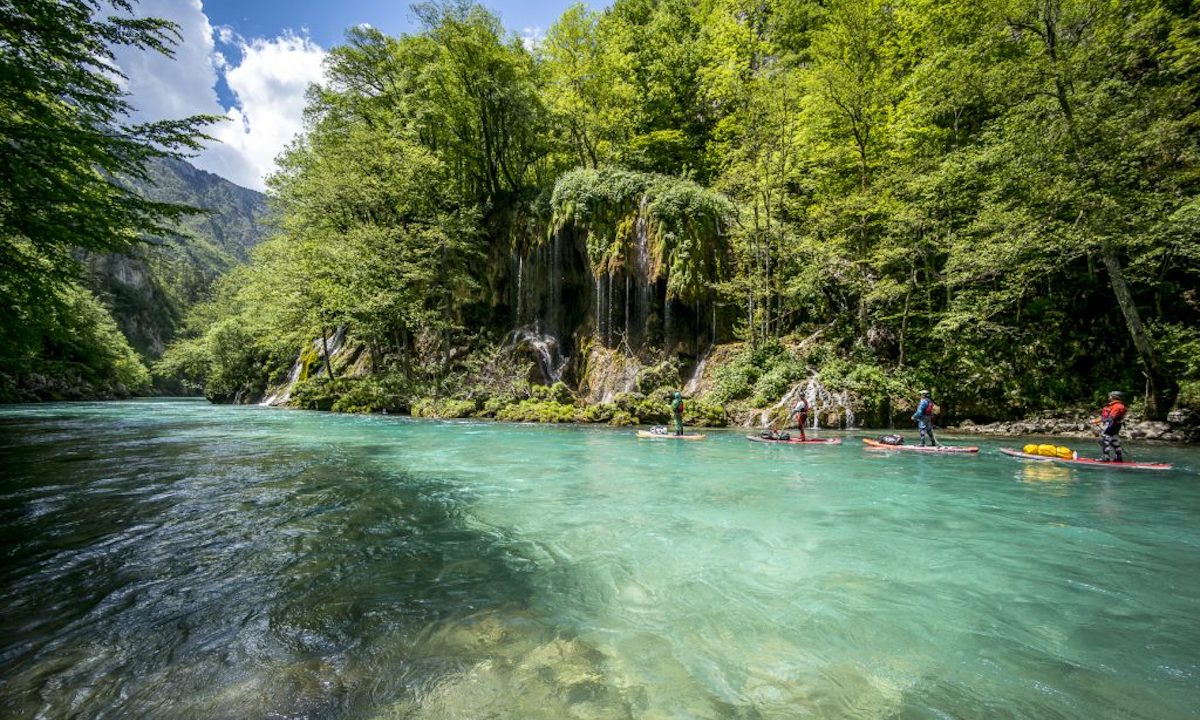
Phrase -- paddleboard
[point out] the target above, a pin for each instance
(795, 441)
(935, 449)
(1088, 462)
(667, 436)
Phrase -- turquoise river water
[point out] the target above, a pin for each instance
(172, 559)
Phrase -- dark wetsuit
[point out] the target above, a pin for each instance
(924, 418)
(1111, 418)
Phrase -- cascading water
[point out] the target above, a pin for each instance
(820, 399)
(520, 280)
(284, 393)
(641, 266)
(546, 351)
(693, 382)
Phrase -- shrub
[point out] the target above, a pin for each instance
(656, 378)
(704, 414)
(371, 394)
(602, 412)
(558, 393)
(544, 411)
(621, 418)
(319, 393)
(443, 408)
(783, 372)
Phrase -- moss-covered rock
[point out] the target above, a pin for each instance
(543, 411)
(621, 418)
(443, 408)
(601, 412)
(653, 409)
(557, 393)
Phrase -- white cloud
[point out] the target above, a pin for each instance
(532, 38)
(268, 84)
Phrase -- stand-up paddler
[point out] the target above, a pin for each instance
(1111, 417)
(677, 411)
(924, 418)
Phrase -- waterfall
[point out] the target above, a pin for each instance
(666, 322)
(520, 277)
(599, 317)
(608, 310)
(627, 307)
(693, 382)
(821, 399)
(554, 313)
(641, 262)
(546, 351)
(283, 393)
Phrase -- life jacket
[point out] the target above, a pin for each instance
(925, 407)
(1113, 413)
(800, 408)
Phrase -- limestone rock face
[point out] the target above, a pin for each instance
(149, 288)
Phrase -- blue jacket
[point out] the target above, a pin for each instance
(923, 410)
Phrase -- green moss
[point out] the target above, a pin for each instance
(684, 225)
(621, 419)
(443, 408)
(558, 393)
(602, 412)
(542, 411)
(308, 356)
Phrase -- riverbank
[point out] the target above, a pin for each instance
(1181, 427)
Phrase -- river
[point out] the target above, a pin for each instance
(172, 559)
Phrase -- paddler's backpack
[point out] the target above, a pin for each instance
(891, 440)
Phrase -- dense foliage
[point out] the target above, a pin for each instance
(69, 155)
(996, 199)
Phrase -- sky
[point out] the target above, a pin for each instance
(252, 60)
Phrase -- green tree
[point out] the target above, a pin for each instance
(588, 86)
(69, 150)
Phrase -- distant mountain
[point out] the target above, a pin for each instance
(150, 288)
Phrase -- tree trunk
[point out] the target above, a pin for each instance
(1161, 389)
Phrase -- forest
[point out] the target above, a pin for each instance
(854, 200)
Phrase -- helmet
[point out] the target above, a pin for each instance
(1116, 395)
(678, 395)
(924, 393)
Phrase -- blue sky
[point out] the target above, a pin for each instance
(326, 20)
(252, 61)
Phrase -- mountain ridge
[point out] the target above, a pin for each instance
(149, 289)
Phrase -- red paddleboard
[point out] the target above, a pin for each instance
(1087, 461)
(795, 441)
(936, 449)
